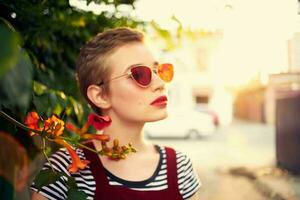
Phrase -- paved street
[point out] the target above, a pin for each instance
(239, 144)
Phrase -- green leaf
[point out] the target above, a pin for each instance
(16, 84)
(61, 99)
(71, 182)
(9, 50)
(41, 103)
(77, 107)
(46, 177)
(39, 88)
(57, 109)
(47, 150)
(75, 194)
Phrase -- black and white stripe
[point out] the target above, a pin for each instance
(60, 162)
(188, 181)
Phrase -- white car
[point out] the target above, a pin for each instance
(182, 123)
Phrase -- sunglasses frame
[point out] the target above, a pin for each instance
(129, 74)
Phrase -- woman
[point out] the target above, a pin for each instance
(121, 79)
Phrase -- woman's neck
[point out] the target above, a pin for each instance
(127, 132)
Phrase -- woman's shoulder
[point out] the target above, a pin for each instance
(183, 161)
(188, 179)
(180, 156)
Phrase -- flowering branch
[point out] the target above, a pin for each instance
(15, 122)
(52, 129)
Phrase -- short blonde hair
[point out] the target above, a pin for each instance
(92, 67)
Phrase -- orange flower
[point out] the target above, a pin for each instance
(31, 120)
(77, 163)
(54, 125)
(99, 122)
(79, 131)
(72, 127)
(83, 132)
(101, 137)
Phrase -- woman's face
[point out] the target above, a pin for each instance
(129, 101)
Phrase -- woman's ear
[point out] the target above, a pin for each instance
(97, 96)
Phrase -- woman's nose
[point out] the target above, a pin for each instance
(157, 83)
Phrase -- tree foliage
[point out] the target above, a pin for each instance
(40, 40)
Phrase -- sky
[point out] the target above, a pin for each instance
(210, 14)
(255, 32)
(192, 13)
(214, 13)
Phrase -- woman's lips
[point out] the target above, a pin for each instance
(160, 101)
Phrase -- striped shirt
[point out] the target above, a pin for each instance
(188, 181)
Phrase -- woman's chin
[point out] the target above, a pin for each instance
(158, 118)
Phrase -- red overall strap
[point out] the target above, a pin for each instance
(96, 168)
(104, 191)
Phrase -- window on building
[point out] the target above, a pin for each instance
(202, 99)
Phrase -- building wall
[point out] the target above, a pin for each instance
(294, 52)
(249, 105)
(280, 85)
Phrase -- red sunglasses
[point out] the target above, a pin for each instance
(142, 75)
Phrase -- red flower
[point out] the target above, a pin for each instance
(99, 122)
(32, 120)
(77, 163)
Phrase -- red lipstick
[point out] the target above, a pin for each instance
(160, 101)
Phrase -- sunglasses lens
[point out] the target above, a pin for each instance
(166, 72)
(142, 75)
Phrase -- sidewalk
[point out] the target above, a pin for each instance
(249, 184)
